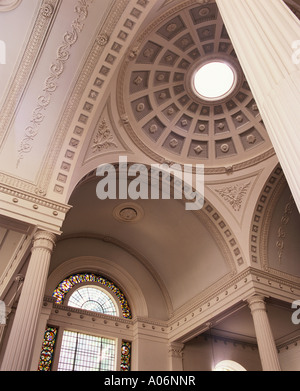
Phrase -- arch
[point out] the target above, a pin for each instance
(9, 5)
(229, 365)
(93, 298)
(106, 268)
(77, 279)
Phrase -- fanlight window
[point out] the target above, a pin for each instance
(95, 294)
(93, 299)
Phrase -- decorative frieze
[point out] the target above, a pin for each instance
(56, 70)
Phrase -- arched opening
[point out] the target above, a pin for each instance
(93, 299)
(99, 295)
(228, 366)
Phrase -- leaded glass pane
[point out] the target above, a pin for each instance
(125, 356)
(83, 352)
(66, 285)
(46, 356)
(92, 299)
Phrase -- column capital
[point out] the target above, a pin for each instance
(256, 302)
(44, 239)
(176, 349)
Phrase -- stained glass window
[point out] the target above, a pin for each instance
(83, 352)
(125, 356)
(46, 357)
(66, 285)
(92, 299)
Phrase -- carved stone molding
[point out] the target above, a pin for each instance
(26, 65)
(102, 39)
(47, 10)
(281, 233)
(275, 179)
(190, 321)
(261, 221)
(33, 209)
(56, 70)
(107, 37)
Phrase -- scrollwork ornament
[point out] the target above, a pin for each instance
(47, 10)
(281, 233)
(56, 70)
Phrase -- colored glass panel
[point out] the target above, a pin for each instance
(46, 357)
(66, 285)
(126, 356)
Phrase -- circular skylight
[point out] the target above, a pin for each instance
(214, 80)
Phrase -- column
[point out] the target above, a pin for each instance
(176, 356)
(266, 344)
(18, 352)
(264, 35)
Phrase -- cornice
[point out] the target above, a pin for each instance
(146, 324)
(191, 320)
(32, 209)
(18, 194)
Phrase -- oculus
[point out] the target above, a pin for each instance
(214, 80)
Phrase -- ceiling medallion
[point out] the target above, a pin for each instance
(128, 212)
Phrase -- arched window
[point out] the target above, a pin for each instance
(93, 298)
(229, 365)
(78, 349)
(93, 293)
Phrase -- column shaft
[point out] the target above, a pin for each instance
(20, 344)
(263, 33)
(265, 340)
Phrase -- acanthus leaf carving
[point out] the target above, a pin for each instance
(234, 194)
(103, 138)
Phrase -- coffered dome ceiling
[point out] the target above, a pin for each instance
(160, 109)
